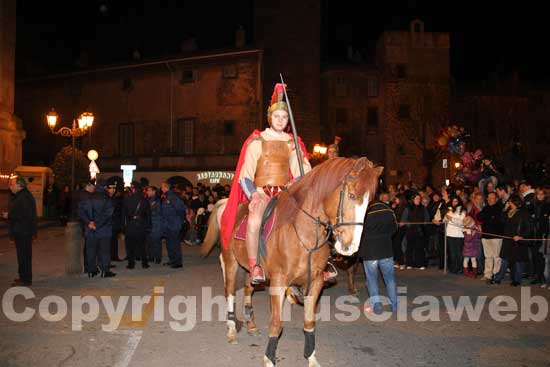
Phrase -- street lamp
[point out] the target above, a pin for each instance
(85, 122)
(93, 168)
(319, 149)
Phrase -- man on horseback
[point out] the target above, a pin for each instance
(267, 164)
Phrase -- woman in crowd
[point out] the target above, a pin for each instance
(416, 233)
(398, 205)
(455, 237)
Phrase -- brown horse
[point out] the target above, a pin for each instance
(330, 200)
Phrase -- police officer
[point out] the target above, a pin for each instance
(173, 214)
(96, 212)
(137, 221)
(116, 199)
(154, 237)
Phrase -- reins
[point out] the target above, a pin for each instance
(329, 229)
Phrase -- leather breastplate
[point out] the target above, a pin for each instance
(273, 166)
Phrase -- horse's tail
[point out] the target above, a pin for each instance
(213, 233)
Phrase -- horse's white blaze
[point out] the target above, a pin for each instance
(360, 211)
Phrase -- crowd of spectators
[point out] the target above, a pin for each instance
(482, 231)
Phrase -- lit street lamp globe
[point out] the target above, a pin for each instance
(92, 154)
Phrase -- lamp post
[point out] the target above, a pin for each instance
(79, 128)
(85, 122)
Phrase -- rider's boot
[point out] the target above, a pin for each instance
(330, 273)
(256, 272)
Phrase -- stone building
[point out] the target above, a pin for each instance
(392, 110)
(192, 112)
(11, 131)
(289, 33)
(188, 113)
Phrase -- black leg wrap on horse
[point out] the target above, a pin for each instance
(309, 346)
(231, 316)
(272, 348)
(248, 312)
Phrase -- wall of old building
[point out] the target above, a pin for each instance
(289, 32)
(220, 94)
(11, 129)
(416, 95)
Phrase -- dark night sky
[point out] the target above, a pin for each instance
(486, 36)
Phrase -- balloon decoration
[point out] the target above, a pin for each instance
(453, 139)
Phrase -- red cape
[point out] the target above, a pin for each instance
(237, 196)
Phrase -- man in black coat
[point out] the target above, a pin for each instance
(377, 252)
(136, 214)
(491, 220)
(22, 221)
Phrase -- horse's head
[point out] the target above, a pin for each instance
(347, 205)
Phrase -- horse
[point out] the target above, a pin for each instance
(330, 200)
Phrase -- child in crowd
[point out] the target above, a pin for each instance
(472, 241)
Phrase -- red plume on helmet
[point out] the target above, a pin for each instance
(277, 102)
(278, 93)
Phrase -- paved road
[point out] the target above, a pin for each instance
(153, 340)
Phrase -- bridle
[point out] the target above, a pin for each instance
(330, 229)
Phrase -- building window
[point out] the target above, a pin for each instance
(229, 128)
(372, 87)
(230, 72)
(341, 117)
(126, 139)
(186, 136)
(372, 118)
(188, 76)
(340, 88)
(404, 111)
(401, 71)
(127, 85)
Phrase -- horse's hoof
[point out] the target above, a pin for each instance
(232, 340)
(267, 362)
(312, 361)
(253, 332)
(352, 299)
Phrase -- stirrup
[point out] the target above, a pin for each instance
(331, 274)
(257, 280)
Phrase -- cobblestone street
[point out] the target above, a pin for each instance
(151, 340)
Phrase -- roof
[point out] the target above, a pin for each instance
(182, 58)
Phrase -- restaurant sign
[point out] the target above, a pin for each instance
(215, 176)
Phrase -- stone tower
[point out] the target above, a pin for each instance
(289, 32)
(11, 131)
(416, 93)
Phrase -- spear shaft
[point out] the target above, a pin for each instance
(293, 126)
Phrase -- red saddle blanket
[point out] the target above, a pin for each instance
(241, 231)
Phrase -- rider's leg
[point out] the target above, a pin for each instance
(256, 210)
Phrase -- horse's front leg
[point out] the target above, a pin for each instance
(310, 303)
(248, 309)
(277, 295)
(229, 268)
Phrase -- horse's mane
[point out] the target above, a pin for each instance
(319, 183)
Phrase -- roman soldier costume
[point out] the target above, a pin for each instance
(267, 163)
